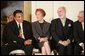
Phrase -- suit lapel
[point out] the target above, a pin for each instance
(60, 23)
(16, 28)
(59, 26)
(80, 27)
(66, 23)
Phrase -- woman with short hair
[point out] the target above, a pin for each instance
(41, 31)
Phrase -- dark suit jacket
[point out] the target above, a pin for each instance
(37, 31)
(59, 32)
(11, 32)
(78, 32)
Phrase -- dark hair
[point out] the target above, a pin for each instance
(41, 10)
(17, 11)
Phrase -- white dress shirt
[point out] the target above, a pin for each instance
(21, 25)
(83, 25)
(63, 20)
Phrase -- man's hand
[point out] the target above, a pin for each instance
(68, 41)
(28, 42)
(82, 45)
(60, 42)
(64, 43)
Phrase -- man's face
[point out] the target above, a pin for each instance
(81, 16)
(61, 12)
(19, 17)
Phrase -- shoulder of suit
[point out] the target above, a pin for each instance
(55, 19)
(69, 19)
(34, 22)
(76, 22)
(11, 23)
(47, 22)
(26, 22)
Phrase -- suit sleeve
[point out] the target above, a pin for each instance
(75, 33)
(11, 37)
(53, 32)
(4, 35)
(35, 34)
(29, 31)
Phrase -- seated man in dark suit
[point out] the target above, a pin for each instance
(18, 34)
(61, 30)
(79, 34)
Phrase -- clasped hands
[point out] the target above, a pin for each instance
(64, 43)
(42, 40)
(28, 42)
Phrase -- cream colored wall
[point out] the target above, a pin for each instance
(72, 7)
(46, 5)
(27, 10)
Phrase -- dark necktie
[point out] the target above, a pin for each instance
(20, 33)
(19, 27)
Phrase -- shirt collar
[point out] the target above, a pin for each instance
(63, 19)
(18, 23)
